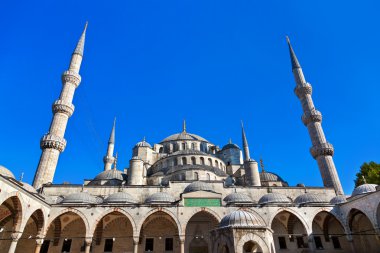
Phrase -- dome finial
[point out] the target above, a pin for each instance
(262, 164)
(230, 141)
(184, 126)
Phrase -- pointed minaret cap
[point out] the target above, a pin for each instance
(245, 143)
(80, 46)
(293, 57)
(184, 126)
(112, 136)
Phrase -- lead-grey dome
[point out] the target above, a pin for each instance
(274, 198)
(235, 198)
(110, 174)
(28, 187)
(309, 198)
(184, 136)
(81, 198)
(198, 186)
(364, 189)
(160, 197)
(240, 218)
(266, 176)
(5, 172)
(230, 145)
(338, 199)
(143, 144)
(120, 197)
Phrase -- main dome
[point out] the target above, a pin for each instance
(184, 136)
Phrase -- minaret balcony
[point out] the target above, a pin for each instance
(323, 149)
(63, 107)
(53, 141)
(109, 159)
(313, 116)
(71, 77)
(303, 90)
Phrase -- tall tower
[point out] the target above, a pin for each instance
(250, 166)
(53, 143)
(109, 159)
(321, 150)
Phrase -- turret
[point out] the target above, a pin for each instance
(136, 174)
(321, 150)
(250, 166)
(109, 159)
(53, 143)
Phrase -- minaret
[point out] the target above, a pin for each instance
(321, 150)
(250, 166)
(53, 143)
(109, 159)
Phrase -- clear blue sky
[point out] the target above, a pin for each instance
(153, 63)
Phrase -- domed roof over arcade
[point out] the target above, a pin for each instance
(274, 198)
(309, 198)
(198, 186)
(81, 198)
(120, 197)
(5, 172)
(364, 189)
(235, 198)
(338, 199)
(240, 218)
(160, 197)
(143, 143)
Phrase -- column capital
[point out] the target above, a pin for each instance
(88, 241)
(15, 236)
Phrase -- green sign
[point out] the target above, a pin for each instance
(202, 202)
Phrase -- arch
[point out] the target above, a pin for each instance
(251, 246)
(196, 176)
(157, 210)
(210, 162)
(208, 176)
(183, 146)
(255, 239)
(33, 228)
(193, 146)
(109, 211)
(216, 164)
(304, 223)
(212, 213)
(184, 160)
(202, 160)
(13, 203)
(193, 160)
(70, 210)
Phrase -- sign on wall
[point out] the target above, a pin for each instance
(202, 202)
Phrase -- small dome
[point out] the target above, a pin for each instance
(183, 136)
(120, 197)
(143, 144)
(274, 198)
(338, 199)
(230, 145)
(239, 218)
(309, 198)
(110, 174)
(237, 198)
(364, 189)
(160, 197)
(80, 198)
(266, 176)
(5, 172)
(28, 187)
(198, 186)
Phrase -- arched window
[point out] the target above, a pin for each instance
(202, 161)
(184, 160)
(175, 147)
(196, 176)
(161, 150)
(183, 146)
(216, 164)
(208, 177)
(210, 162)
(193, 146)
(175, 162)
(193, 162)
(221, 166)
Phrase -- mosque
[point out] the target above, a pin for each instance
(185, 194)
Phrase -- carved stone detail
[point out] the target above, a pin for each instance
(61, 106)
(313, 116)
(302, 91)
(53, 141)
(324, 149)
(71, 77)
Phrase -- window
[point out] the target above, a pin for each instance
(210, 162)
(183, 146)
(45, 246)
(318, 242)
(149, 244)
(202, 161)
(175, 162)
(300, 242)
(66, 245)
(193, 161)
(184, 160)
(335, 241)
(216, 164)
(196, 176)
(108, 245)
(208, 177)
(282, 242)
(169, 244)
(193, 146)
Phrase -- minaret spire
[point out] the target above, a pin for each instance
(53, 143)
(80, 46)
(245, 144)
(184, 126)
(109, 159)
(321, 150)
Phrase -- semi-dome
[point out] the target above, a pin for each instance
(80, 198)
(364, 189)
(120, 197)
(235, 198)
(338, 199)
(184, 136)
(160, 197)
(240, 218)
(198, 186)
(111, 174)
(5, 172)
(309, 198)
(274, 198)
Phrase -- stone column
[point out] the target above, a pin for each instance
(310, 242)
(351, 242)
(39, 243)
(88, 242)
(15, 236)
(182, 243)
(135, 244)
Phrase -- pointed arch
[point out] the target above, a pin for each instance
(67, 211)
(155, 211)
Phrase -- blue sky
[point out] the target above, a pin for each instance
(153, 63)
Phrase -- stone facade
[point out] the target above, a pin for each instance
(184, 194)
